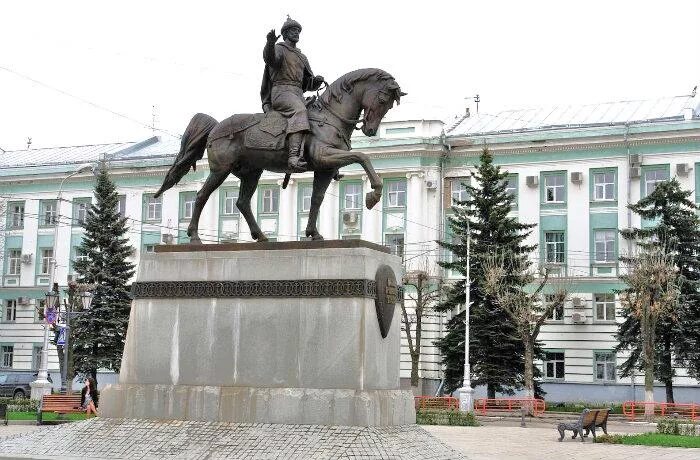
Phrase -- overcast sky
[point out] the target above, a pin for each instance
(203, 56)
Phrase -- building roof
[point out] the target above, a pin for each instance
(577, 116)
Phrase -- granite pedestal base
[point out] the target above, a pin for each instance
(261, 334)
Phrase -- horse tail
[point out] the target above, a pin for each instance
(194, 142)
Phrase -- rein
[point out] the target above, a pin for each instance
(348, 121)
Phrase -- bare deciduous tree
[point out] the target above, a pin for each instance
(423, 293)
(523, 307)
(651, 295)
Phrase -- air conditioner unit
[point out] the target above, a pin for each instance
(26, 259)
(351, 219)
(635, 159)
(532, 181)
(577, 177)
(229, 237)
(682, 169)
(23, 300)
(577, 302)
(166, 238)
(635, 172)
(431, 184)
(578, 317)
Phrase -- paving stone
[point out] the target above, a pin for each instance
(147, 439)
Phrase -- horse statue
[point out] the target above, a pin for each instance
(246, 144)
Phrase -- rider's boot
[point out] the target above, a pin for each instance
(294, 160)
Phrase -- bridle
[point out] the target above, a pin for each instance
(348, 121)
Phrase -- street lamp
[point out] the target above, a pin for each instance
(41, 385)
(86, 301)
(466, 393)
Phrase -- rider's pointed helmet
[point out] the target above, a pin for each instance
(289, 23)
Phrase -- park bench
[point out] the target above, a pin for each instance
(601, 420)
(585, 422)
(59, 404)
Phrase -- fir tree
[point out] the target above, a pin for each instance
(98, 336)
(495, 351)
(676, 230)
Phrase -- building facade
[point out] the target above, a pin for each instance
(572, 170)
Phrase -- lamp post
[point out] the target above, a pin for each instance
(466, 393)
(41, 385)
(85, 301)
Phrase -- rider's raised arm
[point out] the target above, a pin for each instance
(271, 55)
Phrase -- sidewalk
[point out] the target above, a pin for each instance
(505, 439)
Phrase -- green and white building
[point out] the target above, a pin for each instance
(573, 169)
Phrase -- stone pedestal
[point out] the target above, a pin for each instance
(262, 333)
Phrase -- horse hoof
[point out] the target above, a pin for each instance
(195, 239)
(317, 237)
(371, 199)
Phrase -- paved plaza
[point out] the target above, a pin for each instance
(500, 439)
(143, 439)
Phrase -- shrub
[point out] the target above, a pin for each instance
(677, 426)
(20, 405)
(445, 417)
(610, 438)
(578, 406)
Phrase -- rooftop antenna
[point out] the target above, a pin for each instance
(477, 99)
(154, 118)
(29, 143)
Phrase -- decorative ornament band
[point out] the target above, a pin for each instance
(268, 288)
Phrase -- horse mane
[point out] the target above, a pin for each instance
(346, 83)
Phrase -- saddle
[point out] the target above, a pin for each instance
(263, 131)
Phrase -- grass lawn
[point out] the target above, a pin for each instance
(48, 417)
(653, 439)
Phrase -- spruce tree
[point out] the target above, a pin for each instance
(675, 228)
(97, 336)
(495, 351)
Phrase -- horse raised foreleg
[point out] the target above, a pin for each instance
(213, 182)
(249, 183)
(337, 158)
(321, 181)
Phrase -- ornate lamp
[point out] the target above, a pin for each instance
(51, 299)
(86, 299)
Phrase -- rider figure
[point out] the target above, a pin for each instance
(287, 75)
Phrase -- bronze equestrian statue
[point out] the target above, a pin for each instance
(246, 144)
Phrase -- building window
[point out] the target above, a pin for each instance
(10, 313)
(187, 200)
(230, 198)
(39, 310)
(554, 247)
(36, 357)
(150, 248)
(554, 365)
(604, 186)
(80, 255)
(512, 188)
(605, 364)
(458, 190)
(558, 311)
(352, 196)
(154, 207)
(605, 307)
(554, 188)
(46, 258)
(653, 177)
(48, 213)
(80, 209)
(16, 215)
(605, 245)
(270, 200)
(14, 262)
(6, 353)
(305, 192)
(395, 244)
(121, 205)
(397, 194)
